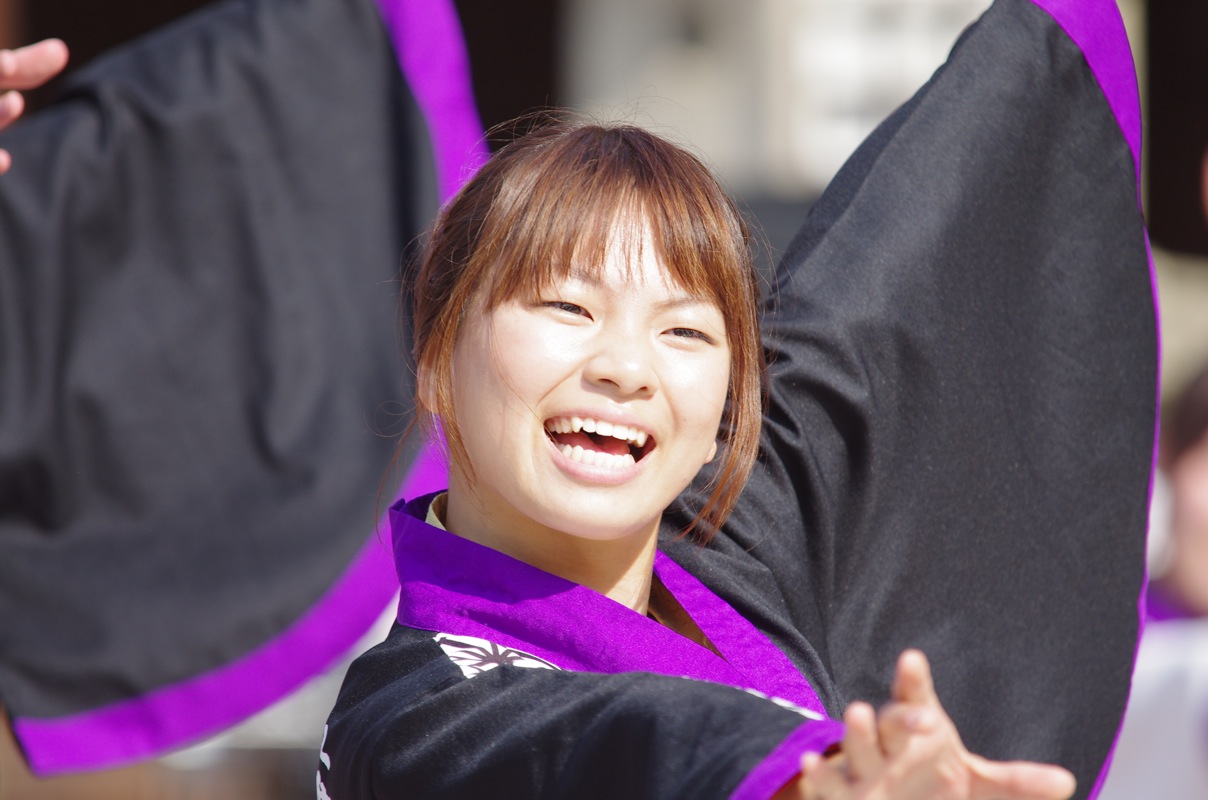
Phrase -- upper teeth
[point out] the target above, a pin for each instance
(599, 427)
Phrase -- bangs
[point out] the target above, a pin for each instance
(600, 188)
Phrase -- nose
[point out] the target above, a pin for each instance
(623, 363)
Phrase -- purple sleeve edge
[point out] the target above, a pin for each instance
(779, 766)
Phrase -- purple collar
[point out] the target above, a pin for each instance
(453, 585)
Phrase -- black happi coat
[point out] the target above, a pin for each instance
(956, 457)
(956, 454)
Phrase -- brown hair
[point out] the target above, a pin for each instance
(552, 197)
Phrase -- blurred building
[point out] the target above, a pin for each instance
(776, 92)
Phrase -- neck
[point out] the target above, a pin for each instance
(619, 568)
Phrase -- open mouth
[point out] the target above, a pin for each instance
(598, 443)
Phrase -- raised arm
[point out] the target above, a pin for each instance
(958, 444)
(23, 69)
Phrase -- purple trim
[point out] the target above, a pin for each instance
(1097, 28)
(432, 55)
(749, 650)
(782, 764)
(144, 726)
(457, 586)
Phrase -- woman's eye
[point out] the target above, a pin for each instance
(569, 308)
(691, 333)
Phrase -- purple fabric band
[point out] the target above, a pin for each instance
(783, 763)
(453, 585)
(749, 650)
(1096, 27)
(431, 52)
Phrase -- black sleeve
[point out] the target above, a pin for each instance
(199, 358)
(409, 724)
(958, 445)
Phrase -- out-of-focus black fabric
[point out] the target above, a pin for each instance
(957, 451)
(200, 246)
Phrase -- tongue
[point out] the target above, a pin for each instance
(603, 444)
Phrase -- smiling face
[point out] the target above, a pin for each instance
(585, 409)
(541, 216)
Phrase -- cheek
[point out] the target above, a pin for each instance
(528, 359)
(700, 387)
(480, 390)
(707, 375)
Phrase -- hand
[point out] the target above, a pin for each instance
(21, 69)
(912, 750)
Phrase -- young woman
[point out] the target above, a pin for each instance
(953, 456)
(585, 334)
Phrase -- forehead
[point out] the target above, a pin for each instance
(628, 258)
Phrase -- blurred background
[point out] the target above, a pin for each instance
(774, 94)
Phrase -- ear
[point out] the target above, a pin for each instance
(712, 452)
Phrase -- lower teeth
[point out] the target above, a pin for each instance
(595, 457)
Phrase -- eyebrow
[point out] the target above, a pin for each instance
(678, 301)
(684, 300)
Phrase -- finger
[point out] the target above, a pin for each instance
(912, 679)
(1019, 780)
(809, 785)
(860, 744)
(31, 66)
(6, 161)
(898, 722)
(823, 778)
(11, 106)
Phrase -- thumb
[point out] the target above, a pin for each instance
(31, 66)
(1019, 780)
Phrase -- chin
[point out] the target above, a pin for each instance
(579, 527)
